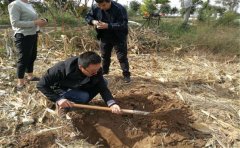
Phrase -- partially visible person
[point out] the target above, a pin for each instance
(25, 23)
(111, 22)
(76, 80)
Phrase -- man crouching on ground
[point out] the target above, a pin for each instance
(77, 80)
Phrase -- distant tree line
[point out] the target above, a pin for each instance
(78, 8)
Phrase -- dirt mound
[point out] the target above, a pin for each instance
(46, 139)
(169, 125)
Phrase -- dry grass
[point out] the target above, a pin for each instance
(210, 85)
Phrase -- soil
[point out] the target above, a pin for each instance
(169, 125)
(208, 83)
(46, 139)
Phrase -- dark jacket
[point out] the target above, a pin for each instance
(117, 20)
(67, 75)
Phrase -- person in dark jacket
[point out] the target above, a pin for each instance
(78, 79)
(111, 22)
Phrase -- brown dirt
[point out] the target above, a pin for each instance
(209, 83)
(46, 139)
(170, 125)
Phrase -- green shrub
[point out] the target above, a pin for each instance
(67, 19)
(172, 28)
(218, 39)
(5, 20)
(227, 18)
(63, 17)
(131, 13)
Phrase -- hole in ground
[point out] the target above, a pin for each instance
(169, 125)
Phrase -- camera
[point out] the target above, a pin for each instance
(45, 19)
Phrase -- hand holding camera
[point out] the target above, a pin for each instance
(41, 22)
(45, 19)
(100, 24)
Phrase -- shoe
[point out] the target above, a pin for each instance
(34, 79)
(127, 79)
(61, 112)
(105, 73)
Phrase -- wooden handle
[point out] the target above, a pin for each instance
(92, 107)
(129, 111)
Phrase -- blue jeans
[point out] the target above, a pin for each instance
(80, 96)
(77, 96)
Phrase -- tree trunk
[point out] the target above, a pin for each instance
(186, 16)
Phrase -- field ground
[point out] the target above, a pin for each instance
(194, 98)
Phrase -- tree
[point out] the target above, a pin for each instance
(3, 7)
(134, 6)
(232, 5)
(207, 11)
(165, 8)
(148, 7)
(219, 9)
(188, 7)
(162, 1)
(174, 10)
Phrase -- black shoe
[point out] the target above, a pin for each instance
(34, 79)
(105, 73)
(127, 79)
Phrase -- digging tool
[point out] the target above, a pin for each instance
(128, 111)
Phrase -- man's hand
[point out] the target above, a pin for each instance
(102, 25)
(64, 103)
(95, 22)
(116, 109)
(99, 24)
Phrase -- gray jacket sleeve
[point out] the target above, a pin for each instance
(14, 13)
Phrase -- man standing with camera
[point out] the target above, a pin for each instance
(111, 22)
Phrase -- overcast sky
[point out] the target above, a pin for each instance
(173, 3)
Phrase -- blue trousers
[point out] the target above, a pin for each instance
(77, 96)
(80, 96)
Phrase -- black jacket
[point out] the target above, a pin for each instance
(117, 20)
(67, 75)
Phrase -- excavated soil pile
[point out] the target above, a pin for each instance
(169, 125)
(46, 139)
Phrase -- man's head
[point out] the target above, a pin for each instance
(89, 63)
(9, 1)
(103, 4)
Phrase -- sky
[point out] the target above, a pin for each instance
(173, 3)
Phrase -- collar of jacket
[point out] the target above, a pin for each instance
(71, 66)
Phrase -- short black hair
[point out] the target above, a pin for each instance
(87, 58)
(101, 1)
(9, 1)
